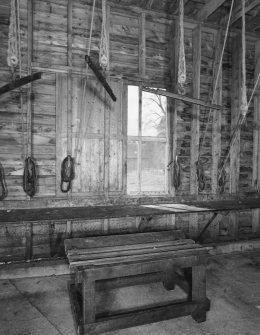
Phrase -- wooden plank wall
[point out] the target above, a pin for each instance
(72, 112)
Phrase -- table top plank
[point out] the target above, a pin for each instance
(117, 211)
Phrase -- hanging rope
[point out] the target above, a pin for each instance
(200, 169)
(103, 50)
(244, 105)
(182, 62)
(4, 191)
(67, 174)
(12, 51)
(91, 30)
(30, 177)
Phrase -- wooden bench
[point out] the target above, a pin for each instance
(130, 259)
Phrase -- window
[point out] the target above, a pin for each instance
(146, 142)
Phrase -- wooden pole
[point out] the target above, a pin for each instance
(182, 98)
(20, 82)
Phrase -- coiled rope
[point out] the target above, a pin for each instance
(176, 173)
(30, 177)
(4, 191)
(67, 174)
(244, 105)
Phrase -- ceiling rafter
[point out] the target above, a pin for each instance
(147, 4)
(237, 13)
(210, 7)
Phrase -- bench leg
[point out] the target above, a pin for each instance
(169, 279)
(199, 293)
(88, 297)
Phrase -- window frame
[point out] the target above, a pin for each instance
(139, 139)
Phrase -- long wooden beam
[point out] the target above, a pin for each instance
(20, 82)
(250, 4)
(182, 98)
(209, 8)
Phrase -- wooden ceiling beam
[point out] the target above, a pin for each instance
(237, 13)
(147, 4)
(210, 7)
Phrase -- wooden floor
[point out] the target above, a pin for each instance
(41, 306)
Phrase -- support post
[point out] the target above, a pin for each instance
(256, 145)
(235, 112)
(216, 125)
(195, 123)
(88, 296)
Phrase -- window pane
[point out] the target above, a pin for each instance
(154, 115)
(153, 167)
(132, 167)
(133, 110)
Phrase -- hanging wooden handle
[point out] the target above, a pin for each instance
(100, 77)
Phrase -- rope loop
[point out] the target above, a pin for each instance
(3, 184)
(67, 174)
(103, 50)
(30, 177)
